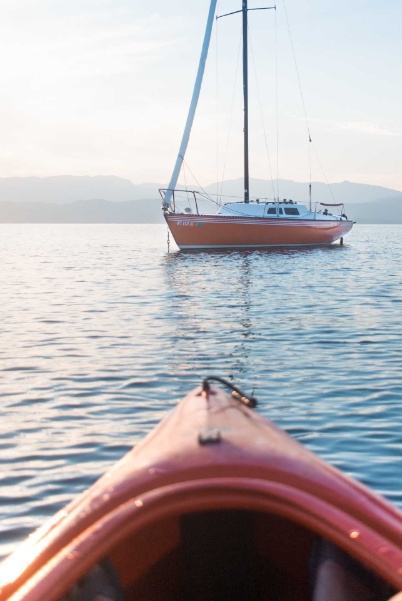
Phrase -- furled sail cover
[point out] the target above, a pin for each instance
(193, 105)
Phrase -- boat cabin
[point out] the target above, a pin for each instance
(284, 209)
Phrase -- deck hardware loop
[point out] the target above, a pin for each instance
(250, 401)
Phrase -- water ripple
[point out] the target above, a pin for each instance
(103, 331)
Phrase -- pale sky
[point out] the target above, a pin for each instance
(102, 87)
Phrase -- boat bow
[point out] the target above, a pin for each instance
(211, 453)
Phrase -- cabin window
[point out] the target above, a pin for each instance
(271, 211)
(292, 211)
(280, 212)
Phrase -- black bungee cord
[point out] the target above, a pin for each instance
(249, 401)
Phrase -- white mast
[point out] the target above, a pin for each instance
(193, 106)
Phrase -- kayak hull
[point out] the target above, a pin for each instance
(212, 471)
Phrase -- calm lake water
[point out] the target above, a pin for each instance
(103, 330)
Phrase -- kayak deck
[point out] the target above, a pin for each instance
(215, 499)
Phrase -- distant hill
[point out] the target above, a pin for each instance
(110, 199)
(386, 210)
(347, 192)
(68, 188)
(83, 211)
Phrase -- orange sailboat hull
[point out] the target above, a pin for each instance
(217, 231)
(214, 479)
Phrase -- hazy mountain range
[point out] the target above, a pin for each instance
(110, 199)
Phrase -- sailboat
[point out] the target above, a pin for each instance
(252, 222)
